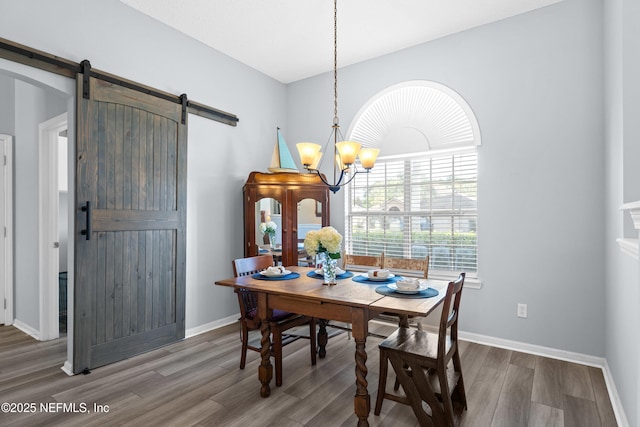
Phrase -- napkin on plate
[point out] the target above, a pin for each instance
(408, 284)
(275, 271)
(378, 274)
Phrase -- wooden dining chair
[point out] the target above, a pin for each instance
(420, 360)
(281, 321)
(304, 259)
(361, 262)
(408, 266)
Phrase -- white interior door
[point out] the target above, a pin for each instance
(6, 229)
(49, 239)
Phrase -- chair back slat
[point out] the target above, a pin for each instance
(244, 267)
(408, 266)
(251, 265)
(361, 262)
(449, 317)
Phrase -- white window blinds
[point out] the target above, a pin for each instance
(417, 205)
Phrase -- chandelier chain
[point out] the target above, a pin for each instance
(335, 62)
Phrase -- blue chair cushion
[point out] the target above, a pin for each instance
(278, 315)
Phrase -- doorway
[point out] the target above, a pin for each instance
(54, 219)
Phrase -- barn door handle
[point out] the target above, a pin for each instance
(87, 210)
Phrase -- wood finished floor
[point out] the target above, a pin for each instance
(197, 382)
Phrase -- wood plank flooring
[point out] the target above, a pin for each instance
(197, 382)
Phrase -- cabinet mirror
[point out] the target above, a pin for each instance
(309, 218)
(268, 211)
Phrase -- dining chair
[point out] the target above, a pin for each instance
(281, 321)
(304, 259)
(361, 263)
(420, 360)
(408, 266)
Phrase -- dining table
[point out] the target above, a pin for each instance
(353, 299)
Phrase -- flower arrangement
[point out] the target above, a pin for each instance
(327, 239)
(268, 228)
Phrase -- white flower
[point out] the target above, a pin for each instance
(268, 228)
(327, 239)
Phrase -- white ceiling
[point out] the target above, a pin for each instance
(290, 40)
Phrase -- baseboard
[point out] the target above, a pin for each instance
(27, 329)
(67, 368)
(201, 329)
(584, 359)
(539, 350)
(618, 410)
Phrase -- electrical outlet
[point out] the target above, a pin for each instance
(522, 310)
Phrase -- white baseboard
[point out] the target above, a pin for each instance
(539, 350)
(584, 359)
(67, 368)
(618, 410)
(200, 329)
(27, 329)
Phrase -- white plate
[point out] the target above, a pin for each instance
(270, 274)
(339, 271)
(394, 287)
(378, 279)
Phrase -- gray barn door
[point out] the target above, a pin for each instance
(130, 224)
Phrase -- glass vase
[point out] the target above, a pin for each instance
(272, 241)
(329, 266)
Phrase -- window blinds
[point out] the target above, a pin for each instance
(410, 207)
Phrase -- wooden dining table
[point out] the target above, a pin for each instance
(347, 301)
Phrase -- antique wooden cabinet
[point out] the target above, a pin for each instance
(296, 203)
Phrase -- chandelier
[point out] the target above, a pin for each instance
(344, 152)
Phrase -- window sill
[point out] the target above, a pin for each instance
(469, 282)
(628, 246)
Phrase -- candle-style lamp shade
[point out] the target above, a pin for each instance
(309, 153)
(368, 157)
(348, 151)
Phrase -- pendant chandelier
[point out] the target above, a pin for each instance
(344, 152)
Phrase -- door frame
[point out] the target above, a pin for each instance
(48, 225)
(6, 197)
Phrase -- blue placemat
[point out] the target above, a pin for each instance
(285, 277)
(362, 279)
(344, 275)
(427, 293)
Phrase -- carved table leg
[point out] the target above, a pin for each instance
(322, 338)
(265, 370)
(403, 321)
(362, 400)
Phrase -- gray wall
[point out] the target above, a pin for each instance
(535, 84)
(622, 102)
(220, 157)
(32, 106)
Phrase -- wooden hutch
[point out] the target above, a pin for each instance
(296, 202)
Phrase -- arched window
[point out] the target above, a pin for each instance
(421, 197)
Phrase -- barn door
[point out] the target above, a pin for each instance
(130, 224)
